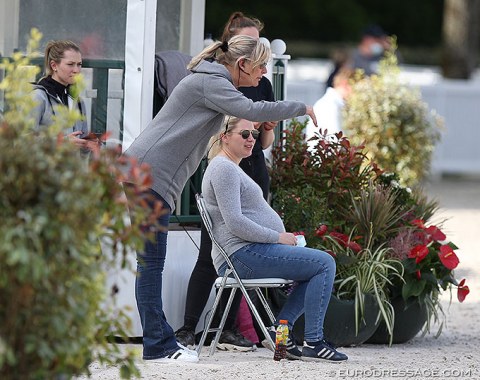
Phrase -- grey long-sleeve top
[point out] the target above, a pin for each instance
(240, 215)
(175, 141)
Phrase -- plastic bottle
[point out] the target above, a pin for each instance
(281, 337)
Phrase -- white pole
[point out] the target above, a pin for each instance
(192, 26)
(139, 67)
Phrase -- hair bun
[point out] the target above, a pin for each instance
(224, 46)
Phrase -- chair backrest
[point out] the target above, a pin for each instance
(207, 221)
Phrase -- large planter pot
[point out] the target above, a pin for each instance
(339, 325)
(409, 320)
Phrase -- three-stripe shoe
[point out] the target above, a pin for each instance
(322, 351)
(183, 354)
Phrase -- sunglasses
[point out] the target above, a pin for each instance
(246, 132)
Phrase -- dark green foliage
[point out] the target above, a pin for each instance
(328, 175)
(335, 21)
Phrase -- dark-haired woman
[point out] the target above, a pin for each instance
(204, 273)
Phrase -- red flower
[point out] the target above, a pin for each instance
(341, 238)
(448, 257)
(321, 230)
(354, 246)
(419, 223)
(462, 291)
(419, 252)
(435, 233)
(418, 274)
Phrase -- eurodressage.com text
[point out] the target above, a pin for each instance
(389, 373)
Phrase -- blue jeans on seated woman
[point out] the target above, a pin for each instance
(314, 270)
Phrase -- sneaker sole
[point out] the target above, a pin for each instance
(312, 359)
(175, 358)
(232, 347)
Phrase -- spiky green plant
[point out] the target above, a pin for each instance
(375, 214)
(368, 271)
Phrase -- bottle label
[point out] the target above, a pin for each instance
(281, 337)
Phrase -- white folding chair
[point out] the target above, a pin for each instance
(231, 280)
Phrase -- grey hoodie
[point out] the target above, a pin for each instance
(175, 141)
(47, 103)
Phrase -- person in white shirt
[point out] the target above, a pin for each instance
(329, 107)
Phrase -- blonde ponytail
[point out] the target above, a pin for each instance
(229, 53)
(208, 53)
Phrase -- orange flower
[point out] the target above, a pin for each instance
(419, 223)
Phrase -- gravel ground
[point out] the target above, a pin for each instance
(452, 355)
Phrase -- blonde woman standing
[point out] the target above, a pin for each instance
(174, 143)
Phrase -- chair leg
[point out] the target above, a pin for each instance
(219, 330)
(206, 328)
(254, 311)
(265, 305)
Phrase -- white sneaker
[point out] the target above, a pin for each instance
(181, 355)
(193, 352)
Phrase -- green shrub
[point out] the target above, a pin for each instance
(55, 208)
(321, 179)
(393, 122)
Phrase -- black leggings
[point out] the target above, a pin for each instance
(200, 285)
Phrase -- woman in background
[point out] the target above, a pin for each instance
(63, 62)
(204, 274)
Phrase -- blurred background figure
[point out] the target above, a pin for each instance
(92, 46)
(369, 52)
(329, 107)
(340, 58)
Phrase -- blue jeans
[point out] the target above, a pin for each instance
(158, 336)
(314, 271)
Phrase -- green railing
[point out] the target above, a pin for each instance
(100, 68)
(186, 208)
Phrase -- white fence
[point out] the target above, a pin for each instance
(457, 101)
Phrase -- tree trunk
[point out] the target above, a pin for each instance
(460, 38)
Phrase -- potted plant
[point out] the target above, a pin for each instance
(55, 208)
(360, 213)
(323, 182)
(429, 261)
